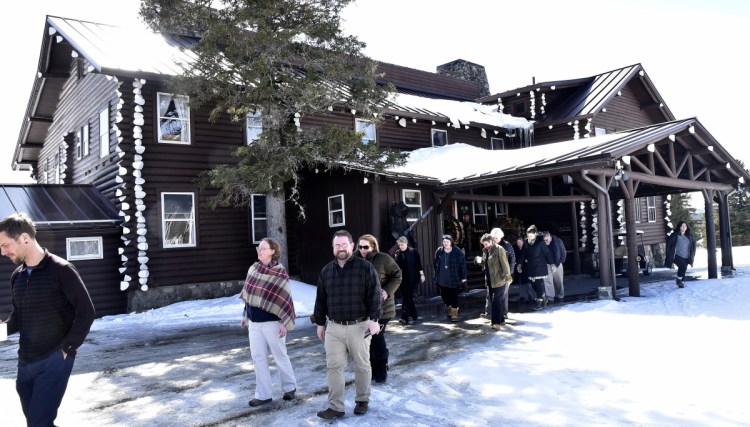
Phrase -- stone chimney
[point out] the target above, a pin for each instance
(465, 70)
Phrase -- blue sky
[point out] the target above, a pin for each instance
(686, 47)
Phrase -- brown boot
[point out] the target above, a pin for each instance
(448, 312)
(454, 314)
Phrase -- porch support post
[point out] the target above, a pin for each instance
(708, 195)
(634, 286)
(725, 234)
(576, 241)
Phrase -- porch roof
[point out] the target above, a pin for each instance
(59, 206)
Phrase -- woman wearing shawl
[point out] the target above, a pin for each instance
(269, 314)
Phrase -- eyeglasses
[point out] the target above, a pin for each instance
(341, 245)
(365, 247)
(259, 249)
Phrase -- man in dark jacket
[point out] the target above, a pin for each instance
(52, 311)
(555, 277)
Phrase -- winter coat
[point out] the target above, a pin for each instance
(557, 248)
(456, 266)
(496, 268)
(510, 254)
(410, 263)
(536, 257)
(672, 247)
(390, 279)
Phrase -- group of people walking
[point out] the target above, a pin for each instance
(355, 300)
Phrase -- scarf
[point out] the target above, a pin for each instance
(267, 288)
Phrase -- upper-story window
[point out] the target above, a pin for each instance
(519, 108)
(336, 214)
(367, 127)
(254, 127)
(178, 220)
(174, 118)
(82, 142)
(651, 205)
(439, 137)
(638, 215)
(412, 199)
(259, 217)
(497, 143)
(104, 132)
(79, 143)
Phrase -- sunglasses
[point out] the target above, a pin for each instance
(364, 247)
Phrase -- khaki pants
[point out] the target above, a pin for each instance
(342, 342)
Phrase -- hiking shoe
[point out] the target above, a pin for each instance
(330, 414)
(496, 326)
(360, 408)
(289, 395)
(680, 283)
(558, 300)
(485, 316)
(403, 321)
(258, 402)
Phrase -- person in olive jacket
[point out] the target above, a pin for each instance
(390, 279)
(497, 276)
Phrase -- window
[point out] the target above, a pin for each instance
(519, 108)
(258, 217)
(86, 138)
(651, 206)
(82, 142)
(637, 206)
(480, 213)
(104, 132)
(79, 140)
(368, 128)
(599, 131)
(174, 118)
(254, 127)
(412, 199)
(336, 215)
(178, 220)
(57, 168)
(501, 209)
(439, 138)
(497, 144)
(84, 248)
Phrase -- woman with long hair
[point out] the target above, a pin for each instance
(680, 251)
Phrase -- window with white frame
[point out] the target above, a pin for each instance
(174, 118)
(480, 213)
(336, 214)
(178, 220)
(412, 199)
(79, 248)
(638, 215)
(501, 209)
(104, 132)
(367, 127)
(254, 127)
(439, 137)
(497, 143)
(258, 217)
(79, 144)
(85, 132)
(651, 206)
(57, 168)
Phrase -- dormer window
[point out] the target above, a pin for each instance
(367, 127)
(439, 137)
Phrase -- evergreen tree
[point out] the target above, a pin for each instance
(739, 215)
(680, 210)
(286, 60)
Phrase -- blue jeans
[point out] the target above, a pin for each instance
(41, 386)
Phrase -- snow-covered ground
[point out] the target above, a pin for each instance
(672, 357)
